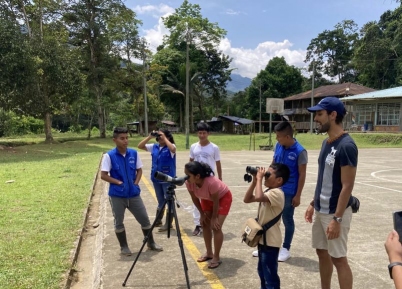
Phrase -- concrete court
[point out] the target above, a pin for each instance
(378, 186)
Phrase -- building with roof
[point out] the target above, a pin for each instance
(231, 124)
(296, 105)
(377, 110)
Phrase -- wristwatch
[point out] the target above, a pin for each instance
(390, 266)
(338, 219)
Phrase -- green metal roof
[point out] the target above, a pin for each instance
(385, 93)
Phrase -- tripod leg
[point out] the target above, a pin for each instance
(168, 224)
(145, 241)
(179, 239)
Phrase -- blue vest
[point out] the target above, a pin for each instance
(123, 169)
(289, 157)
(162, 161)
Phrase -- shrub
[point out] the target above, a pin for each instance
(13, 124)
(95, 131)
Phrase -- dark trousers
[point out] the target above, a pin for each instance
(288, 221)
(268, 267)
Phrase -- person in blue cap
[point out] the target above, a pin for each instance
(337, 163)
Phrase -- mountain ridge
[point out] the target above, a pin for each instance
(238, 83)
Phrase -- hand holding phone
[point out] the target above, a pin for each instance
(397, 216)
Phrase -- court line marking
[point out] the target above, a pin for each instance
(373, 174)
(384, 188)
(211, 277)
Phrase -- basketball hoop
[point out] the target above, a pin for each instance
(275, 105)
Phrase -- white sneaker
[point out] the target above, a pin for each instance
(284, 254)
(255, 253)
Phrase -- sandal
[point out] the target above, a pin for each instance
(213, 265)
(204, 259)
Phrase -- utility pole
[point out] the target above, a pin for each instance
(260, 107)
(144, 70)
(187, 110)
(312, 99)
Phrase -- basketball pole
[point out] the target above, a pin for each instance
(270, 131)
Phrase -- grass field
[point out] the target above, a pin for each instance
(45, 190)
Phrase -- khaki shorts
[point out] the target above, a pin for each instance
(338, 247)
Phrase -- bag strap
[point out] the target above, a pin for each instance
(268, 225)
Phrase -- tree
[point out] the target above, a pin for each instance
(332, 51)
(214, 73)
(188, 28)
(187, 24)
(98, 27)
(54, 79)
(17, 66)
(277, 80)
(377, 52)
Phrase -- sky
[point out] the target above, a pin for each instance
(258, 30)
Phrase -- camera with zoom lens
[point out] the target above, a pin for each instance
(155, 134)
(252, 171)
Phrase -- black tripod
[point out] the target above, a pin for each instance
(171, 212)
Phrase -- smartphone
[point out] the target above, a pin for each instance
(398, 223)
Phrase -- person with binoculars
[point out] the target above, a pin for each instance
(290, 152)
(163, 154)
(272, 201)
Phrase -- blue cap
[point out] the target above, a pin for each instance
(330, 104)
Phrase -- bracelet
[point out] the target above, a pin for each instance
(390, 266)
(312, 203)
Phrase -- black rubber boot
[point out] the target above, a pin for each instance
(124, 249)
(151, 243)
(165, 226)
(158, 222)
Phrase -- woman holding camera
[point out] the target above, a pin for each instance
(163, 154)
(213, 199)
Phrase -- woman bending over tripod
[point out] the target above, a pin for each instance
(213, 199)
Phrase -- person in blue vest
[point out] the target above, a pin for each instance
(290, 152)
(122, 168)
(163, 154)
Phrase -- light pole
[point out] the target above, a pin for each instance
(144, 79)
(260, 106)
(312, 100)
(187, 110)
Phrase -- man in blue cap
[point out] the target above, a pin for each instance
(337, 165)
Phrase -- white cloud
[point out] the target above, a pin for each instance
(231, 12)
(154, 10)
(154, 36)
(248, 62)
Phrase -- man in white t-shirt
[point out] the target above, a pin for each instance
(207, 152)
